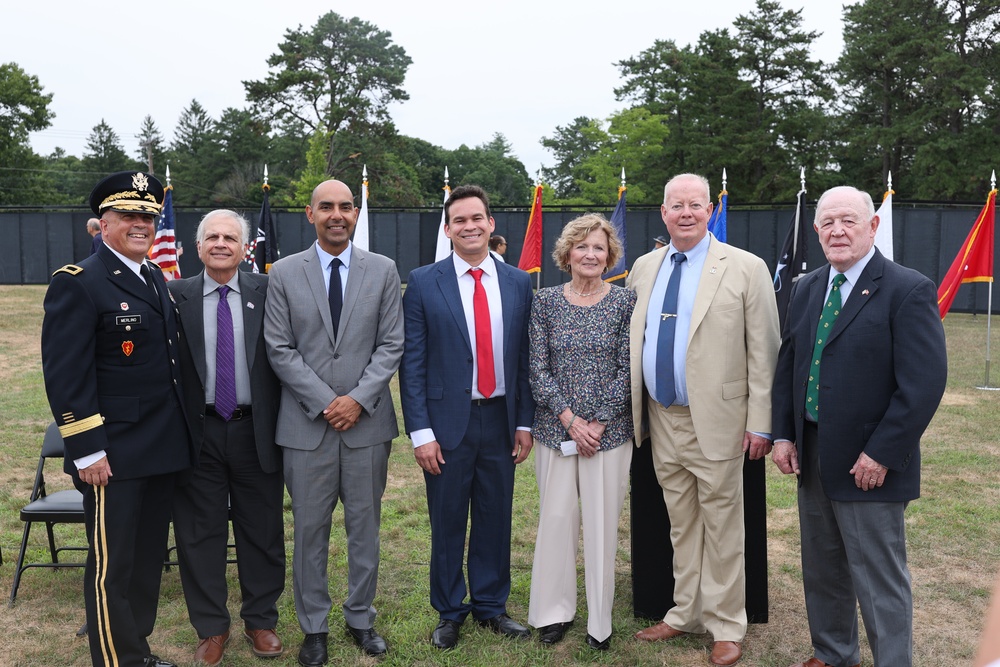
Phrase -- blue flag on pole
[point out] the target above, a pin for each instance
(618, 222)
(717, 223)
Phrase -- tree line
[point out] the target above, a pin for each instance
(915, 91)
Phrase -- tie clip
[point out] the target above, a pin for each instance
(664, 316)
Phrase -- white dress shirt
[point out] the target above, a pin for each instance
(466, 288)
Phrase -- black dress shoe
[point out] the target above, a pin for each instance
(598, 646)
(313, 651)
(369, 641)
(153, 661)
(445, 635)
(505, 625)
(553, 634)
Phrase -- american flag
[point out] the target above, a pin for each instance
(164, 250)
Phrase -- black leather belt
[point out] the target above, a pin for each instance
(241, 412)
(481, 402)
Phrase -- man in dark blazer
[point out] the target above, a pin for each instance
(467, 435)
(109, 357)
(861, 370)
(334, 331)
(94, 229)
(237, 463)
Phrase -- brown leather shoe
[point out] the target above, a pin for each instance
(264, 643)
(725, 653)
(211, 649)
(659, 632)
(816, 662)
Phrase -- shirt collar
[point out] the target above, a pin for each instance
(854, 273)
(696, 253)
(325, 258)
(211, 285)
(462, 267)
(130, 263)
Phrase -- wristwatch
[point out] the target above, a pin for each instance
(602, 418)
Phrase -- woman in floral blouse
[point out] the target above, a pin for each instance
(579, 351)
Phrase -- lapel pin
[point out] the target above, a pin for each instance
(250, 305)
(713, 270)
(117, 272)
(864, 292)
(124, 305)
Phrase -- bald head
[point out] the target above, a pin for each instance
(333, 214)
(325, 187)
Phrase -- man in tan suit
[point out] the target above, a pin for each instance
(704, 343)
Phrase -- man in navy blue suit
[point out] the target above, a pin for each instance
(468, 409)
(861, 371)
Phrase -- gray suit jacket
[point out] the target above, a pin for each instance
(315, 366)
(189, 297)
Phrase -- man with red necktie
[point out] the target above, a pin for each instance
(468, 409)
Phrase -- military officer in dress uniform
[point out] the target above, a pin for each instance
(109, 356)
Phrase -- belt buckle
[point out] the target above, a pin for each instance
(237, 414)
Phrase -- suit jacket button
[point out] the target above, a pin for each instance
(336, 355)
(468, 391)
(469, 360)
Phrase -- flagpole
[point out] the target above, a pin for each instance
(538, 274)
(798, 209)
(989, 306)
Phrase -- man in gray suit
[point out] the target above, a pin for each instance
(231, 401)
(334, 331)
(861, 371)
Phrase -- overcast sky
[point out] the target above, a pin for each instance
(520, 67)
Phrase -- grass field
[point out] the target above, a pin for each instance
(953, 530)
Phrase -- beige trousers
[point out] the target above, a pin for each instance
(568, 487)
(705, 503)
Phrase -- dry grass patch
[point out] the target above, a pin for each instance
(953, 531)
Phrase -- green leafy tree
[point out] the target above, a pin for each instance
(570, 145)
(24, 108)
(152, 147)
(105, 153)
(244, 142)
(963, 137)
(698, 90)
(70, 183)
(789, 92)
(752, 102)
(635, 140)
(883, 72)
(660, 80)
(427, 162)
(314, 173)
(337, 79)
(492, 166)
(194, 158)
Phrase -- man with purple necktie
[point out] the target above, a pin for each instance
(231, 399)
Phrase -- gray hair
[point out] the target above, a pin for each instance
(199, 235)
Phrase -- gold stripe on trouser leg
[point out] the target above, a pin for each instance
(100, 576)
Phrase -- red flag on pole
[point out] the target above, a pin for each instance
(531, 252)
(974, 263)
